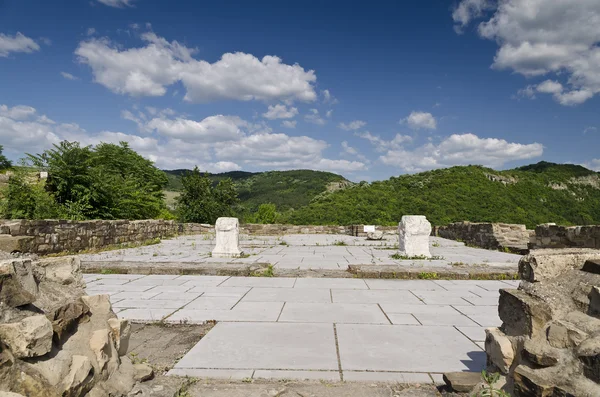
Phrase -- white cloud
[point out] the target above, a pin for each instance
(329, 113)
(17, 43)
(381, 145)
(353, 125)
(217, 128)
(461, 150)
(90, 31)
(541, 37)
(589, 129)
(68, 76)
(468, 10)
(549, 87)
(289, 123)
(314, 117)
(420, 120)
(280, 112)
(593, 165)
(340, 165)
(150, 70)
(349, 149)
(117, 3)
(328, 98)
(569, 98)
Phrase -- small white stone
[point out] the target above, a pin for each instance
(227, 239)
(414, 231)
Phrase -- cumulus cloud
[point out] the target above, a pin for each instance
(289, 123)
(542, 37)
(280, 112)
(589, 129)
(151, 69)
(353, 125)
(68, 76)
(328, 98)
(17, 43)
(381, 145)
(117, 3)
(314, 117)
(460, 149)
(420, 120)
(217, 128)
(567, 98)
(593, 165)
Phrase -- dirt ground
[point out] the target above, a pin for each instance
(162, 345)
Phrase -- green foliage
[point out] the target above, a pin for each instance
(4, 162)
(106, 182)
(266, 214)
(268, 272)
(465, 193)
(489, 390)
(201, 202)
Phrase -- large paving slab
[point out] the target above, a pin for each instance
(293, 328)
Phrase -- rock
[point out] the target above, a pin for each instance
(499, 349)
(545, 264)
(589, 354)
(227, 238)
(63, 270)
(521, 313)
(594, 308)
(30, 337)
(121, 331)
(15, 243)
(17, 284)
(529, 382)
(78, 380)
(592, 266)
(10, 394)
(540, 353)
(462, 382)
(143, 372)
(376, 235)
(414, 231)
(562, 334)
(102, 346)
(587, 324)
(98, 304)
(66, 317)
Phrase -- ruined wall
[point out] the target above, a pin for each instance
(553, 236)
(53, 236)
(487, 235)
(549, 341)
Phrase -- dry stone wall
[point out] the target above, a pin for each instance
(53, 236)
(487, 235)
(553, 236)
(55, 341)
(549, 341)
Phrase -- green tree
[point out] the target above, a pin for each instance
(27, 199)
(266, 214)
(4, 162)
(202, 202)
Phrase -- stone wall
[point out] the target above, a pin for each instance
(549, 341)
(487, 235)
(53, 236)
(553, 236)
(55, 341)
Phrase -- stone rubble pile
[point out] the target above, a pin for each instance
(549, 341)
(56, 341)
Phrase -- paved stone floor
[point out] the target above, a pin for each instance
(329, 329)
(311, 251)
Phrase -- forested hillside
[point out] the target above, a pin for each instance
(534, 194)
(286, 189)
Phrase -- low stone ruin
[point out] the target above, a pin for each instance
(549, 341)
(413, 232)
(54, 340)
(227, 241)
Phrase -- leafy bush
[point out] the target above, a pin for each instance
(266, 214)
(4, 162)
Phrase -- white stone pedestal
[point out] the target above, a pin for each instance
(414, 231)
(227, 238)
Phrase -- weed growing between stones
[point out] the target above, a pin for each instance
(435, 244)
(428, 276)
(339, 243)
(268, 272)
(489, 390)
(183, 390)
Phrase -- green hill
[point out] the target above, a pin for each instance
(286, 189)
(534, 194)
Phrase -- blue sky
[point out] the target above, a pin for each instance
(368, 90)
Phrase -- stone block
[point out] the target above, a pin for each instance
(529, 382)
(63, 270)
(78, 381)
(15, 243)
(589, 354)
(17, 283)
(522, 314)
(66, 317)
(594, 308)
(121, 332)
(375, 235)
(227, 238)
(30, 337)
(499, 349)
(540, 353)
(462, 382)
(592, 266)
(414, 231)
(562, 334)
(545, 264)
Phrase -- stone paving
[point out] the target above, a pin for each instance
(316, 328)
(310, 251)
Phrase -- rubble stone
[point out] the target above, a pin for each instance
(462, 382)
(521, 313)
(17, 283)
(30, 337)
(499, 349)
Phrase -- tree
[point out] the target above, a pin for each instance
(4, 162)
(266, 214)
(201, 201)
